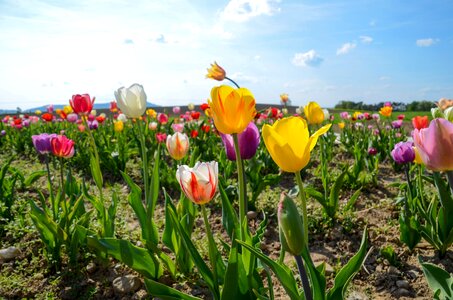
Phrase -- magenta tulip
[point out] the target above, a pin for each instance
(249, 141)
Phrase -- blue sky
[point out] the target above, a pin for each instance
(322, 51)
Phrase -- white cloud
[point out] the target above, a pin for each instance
(426, 42)
(384, 78)
(307, 59)
(244, 78)
(346, 48)
(366, 39)
(244, 10)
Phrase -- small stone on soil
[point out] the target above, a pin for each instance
(126, 284)
(403, 284)
(91, 267)
(9, 253)
(402, 293)
(252, 214)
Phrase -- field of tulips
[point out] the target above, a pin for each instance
(224, 201)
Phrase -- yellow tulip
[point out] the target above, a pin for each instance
(386, 111)
(151, 113)
(418, 158)
(231, 109)
(313, 112)
(289, 143)
(118, 126)
(216, 72)
(341, 125)
(67, 109)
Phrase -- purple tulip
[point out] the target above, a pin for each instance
(93, 124)
(375, 117)
(403, 153)
(397, 124)
(372, 151)
(3, 132)
(42, 142)
(249, 141)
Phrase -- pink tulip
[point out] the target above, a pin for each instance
(435, 145)
(177, 127)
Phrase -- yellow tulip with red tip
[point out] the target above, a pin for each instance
(289, 142)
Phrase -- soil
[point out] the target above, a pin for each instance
(28, 275)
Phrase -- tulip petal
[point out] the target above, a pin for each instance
(318, 133)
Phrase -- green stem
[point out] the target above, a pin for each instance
(450, 179)
(63, 193)
(144, 161)
(304, 206)
(211, 244)
(304, 278)
(242, 185)
(232, 81)
(95, 150)
(52, 197)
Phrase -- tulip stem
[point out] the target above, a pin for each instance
(63, 194)
(52, 198)
(450, 179)
(303, 277)
(144, 160)
(242, 186)
(304, 206)
(211, 244)
(409, 186)
(232, 81)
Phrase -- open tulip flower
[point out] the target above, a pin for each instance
(232, 109)
(435, 144)
(177, 145)
(42, 142)
(81, 104)
(314, 113)
(131, 101)
(289, 143)
(199, 183)
(420, 122)
(62, 146)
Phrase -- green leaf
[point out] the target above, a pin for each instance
(96, 171)
(352, 200)
(159, 290)
(33, 177)
(154, 187)
(139, 259)
(229, 217)
(283, 273)
(335, 195)
(439, 280)
(348, 271)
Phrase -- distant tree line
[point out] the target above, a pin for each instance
(423, 105)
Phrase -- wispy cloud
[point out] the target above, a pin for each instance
(346, 48)
(307, 59)
(366, 39)
(244, 78)
(128, 41)
(244, 10)
(426, 42)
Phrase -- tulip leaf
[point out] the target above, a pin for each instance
(154, 186)
(169, 237)
(439, 280)
(204, 270)
(33, 177)
(229, 217)
(317, 278)
(161, 291)
(96, 171)
(139, 259)
(347, 273)
(335, 195)
(283, 273)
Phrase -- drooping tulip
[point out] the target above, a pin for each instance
(216, 72)
(41, 142)
(403, 153)
(420, 122)
(81, 104)
(131, 101)
(249, 141)
(435, 144)
(177, 145)
(289, 143)
(231, 109)
(314, 113)
(62, 146)
(199, 183)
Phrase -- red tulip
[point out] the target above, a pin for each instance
(194, 133)
(204, 106)
(161, 137)
(195, 115)
(206, 128)
(82, 104)
(420, 122)
(62, 146)
(48, 117)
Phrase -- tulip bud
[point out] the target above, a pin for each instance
(248, 140)
(177, 145)
(436, 113)
(290, 226)
(448, 113)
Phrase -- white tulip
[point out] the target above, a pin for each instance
(200, 182)
(131, 101)
(178, 145)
